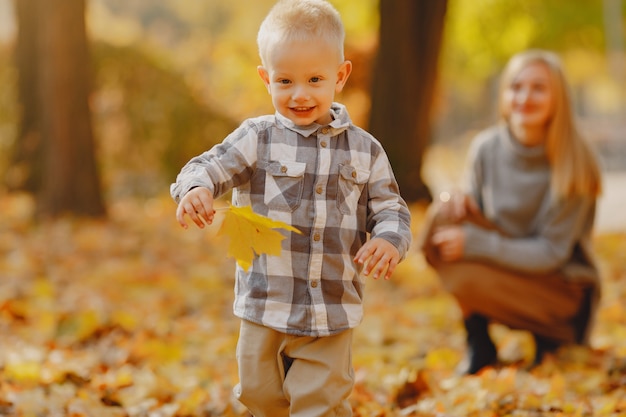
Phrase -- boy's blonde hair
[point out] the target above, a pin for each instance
(301, 20)
(575, 170)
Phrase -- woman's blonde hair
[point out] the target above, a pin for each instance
(301, 20)
(575, 170)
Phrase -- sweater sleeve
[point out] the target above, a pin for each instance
(475, 164)
(546, 250)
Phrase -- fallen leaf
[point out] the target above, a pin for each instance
(133, 318)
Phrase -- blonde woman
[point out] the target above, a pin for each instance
(515, 247)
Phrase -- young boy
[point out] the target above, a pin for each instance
(310, 167)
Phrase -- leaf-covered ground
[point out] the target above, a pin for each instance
(132, 317)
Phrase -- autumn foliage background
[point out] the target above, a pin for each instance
(132, 315)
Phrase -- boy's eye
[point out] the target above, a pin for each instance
(315, 79)
(284, 81)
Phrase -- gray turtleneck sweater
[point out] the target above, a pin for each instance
(511, 184)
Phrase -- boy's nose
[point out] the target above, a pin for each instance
(300, 93)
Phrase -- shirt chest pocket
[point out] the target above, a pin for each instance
(284, 181)
(351, 181)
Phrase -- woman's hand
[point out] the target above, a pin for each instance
(450, 242)
(456, 207)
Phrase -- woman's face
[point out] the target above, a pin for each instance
(529, 99)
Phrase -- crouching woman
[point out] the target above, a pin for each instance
(515, 246)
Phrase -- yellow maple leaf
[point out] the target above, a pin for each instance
(251, 234)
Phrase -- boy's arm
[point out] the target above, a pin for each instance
(227, 165)
(388, 215)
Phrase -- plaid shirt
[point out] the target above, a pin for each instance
(335, 184)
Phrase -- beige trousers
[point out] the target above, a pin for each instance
(284, 375)
(548, 305)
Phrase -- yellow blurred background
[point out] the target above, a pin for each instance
(173, 77)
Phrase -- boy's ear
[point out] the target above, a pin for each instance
(265, 76)
(342, 75)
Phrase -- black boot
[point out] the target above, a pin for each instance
(543, 345)
(480, 349)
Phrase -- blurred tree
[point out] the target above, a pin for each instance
(26, 159)
(404, 85)
(54, 155)
(481, 35)
(148, 119)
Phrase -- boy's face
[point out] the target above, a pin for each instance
(302, 78)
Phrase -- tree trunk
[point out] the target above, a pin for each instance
(63, 166)
(404, 85)
(25, 166)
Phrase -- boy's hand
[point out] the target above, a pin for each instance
(198, 205)
(380, 255)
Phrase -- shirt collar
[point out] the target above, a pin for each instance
(339, 113)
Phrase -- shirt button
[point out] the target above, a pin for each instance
(316, 237)
(319, 189)
(353, 174)
(283, 169)
(325, 130)
(314, 284)
(323, 144)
